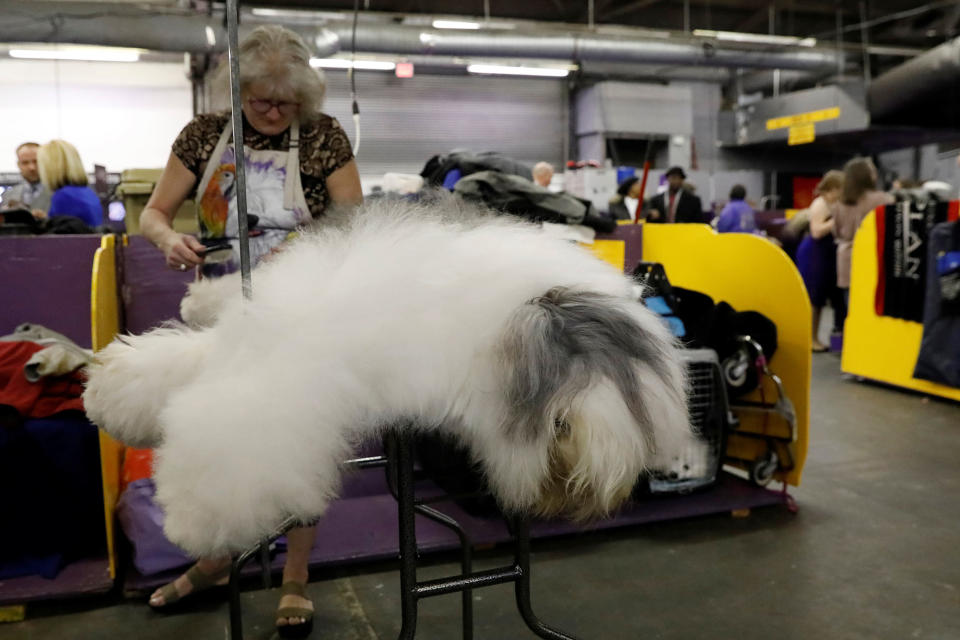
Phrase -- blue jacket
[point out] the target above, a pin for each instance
(737, 217)
(82, 202)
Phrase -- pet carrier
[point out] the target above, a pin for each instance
(709, 416)
(779, 455)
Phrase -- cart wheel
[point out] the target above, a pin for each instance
(762, 469)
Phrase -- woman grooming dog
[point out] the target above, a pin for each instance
(298, 162)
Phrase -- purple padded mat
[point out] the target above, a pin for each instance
(87, 577)
(364, 528)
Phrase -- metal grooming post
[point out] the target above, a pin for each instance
(400, 478)
(233, 51)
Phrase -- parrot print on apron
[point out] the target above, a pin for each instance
(274, 195)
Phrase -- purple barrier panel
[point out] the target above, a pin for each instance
(151, 291)
(46, 280)
(632, 236)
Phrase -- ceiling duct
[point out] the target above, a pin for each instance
(569, 45)
(157, 28)
(165, 29)
(922, 91)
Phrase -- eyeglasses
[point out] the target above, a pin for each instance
(263, 106)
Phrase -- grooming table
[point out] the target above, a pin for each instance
(399, 465)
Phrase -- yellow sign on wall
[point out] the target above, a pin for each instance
(801, 134)
(803, 118)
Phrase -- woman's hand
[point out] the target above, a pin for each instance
(182, 251)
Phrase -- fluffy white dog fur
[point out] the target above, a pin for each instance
(528, 349)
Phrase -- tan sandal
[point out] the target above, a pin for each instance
(199, 580)
(302, 629)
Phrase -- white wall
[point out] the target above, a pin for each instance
(120, 115)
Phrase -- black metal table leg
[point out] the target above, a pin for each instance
(236, 566)
(466, 563)
(403, 455)
(521, 532)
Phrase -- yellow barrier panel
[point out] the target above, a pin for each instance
(612, 251)
(751, 274)
(877, 347)
(104, 325)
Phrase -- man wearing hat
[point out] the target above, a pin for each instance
(676, 204)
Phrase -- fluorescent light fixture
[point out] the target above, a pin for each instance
(211, 36)
(455, 24)
(91, 54)
(342, 63)
(264, 12)
(510, 70)
(755, 38)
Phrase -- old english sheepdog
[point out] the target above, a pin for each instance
(528, 349)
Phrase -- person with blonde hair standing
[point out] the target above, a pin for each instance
(859, 197)
(298, 163)
(817, 255)
(61, 172)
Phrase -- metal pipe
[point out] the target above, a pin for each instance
(577, 46)
(865, 43)
(915, 82)
(166, 29)
(236, 116)
(158, 28)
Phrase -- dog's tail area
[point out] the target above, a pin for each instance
(598, 380)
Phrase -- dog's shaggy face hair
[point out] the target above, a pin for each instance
(528, 349)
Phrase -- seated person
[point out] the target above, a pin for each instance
(61, 171)
(543, 174)
(29, 194)
(737, 216)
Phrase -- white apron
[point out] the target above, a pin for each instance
(274, 195)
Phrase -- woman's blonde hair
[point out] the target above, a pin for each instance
(58, 163)
(277, 58)
(831, 180)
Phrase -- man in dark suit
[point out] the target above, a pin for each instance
(676, 204)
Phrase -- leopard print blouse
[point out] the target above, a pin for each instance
(324, 148)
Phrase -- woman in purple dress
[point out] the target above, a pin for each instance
(817, 254)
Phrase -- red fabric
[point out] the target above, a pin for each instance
(879, 298)
(40, 399)
(669, 212)
(953, 211)
(137, 464)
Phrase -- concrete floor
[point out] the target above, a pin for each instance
(873, 554)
